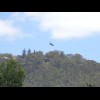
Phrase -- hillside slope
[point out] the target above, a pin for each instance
(56, 69)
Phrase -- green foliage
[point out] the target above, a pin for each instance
(29, 52)
(56, 68)
(24, 53)
(11, 74)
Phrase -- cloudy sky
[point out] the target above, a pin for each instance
(71, 32)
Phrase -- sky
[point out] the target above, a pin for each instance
(71, 32)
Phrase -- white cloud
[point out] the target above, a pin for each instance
(65, 25)
(9, 31)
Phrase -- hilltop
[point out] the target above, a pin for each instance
(56, 69)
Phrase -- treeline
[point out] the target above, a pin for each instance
(57, 69)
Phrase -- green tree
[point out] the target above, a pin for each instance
(29, 51)
(24, 53)
(11, 74)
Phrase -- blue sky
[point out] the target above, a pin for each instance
(71, 32)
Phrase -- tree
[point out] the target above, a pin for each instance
(29, 51)
(11, 74)
(34, 51)
(24, 53)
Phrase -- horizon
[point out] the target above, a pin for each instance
(70, 32)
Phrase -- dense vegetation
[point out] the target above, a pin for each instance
(11, 74)
(57, 69)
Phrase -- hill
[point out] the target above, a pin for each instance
(57, 69)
